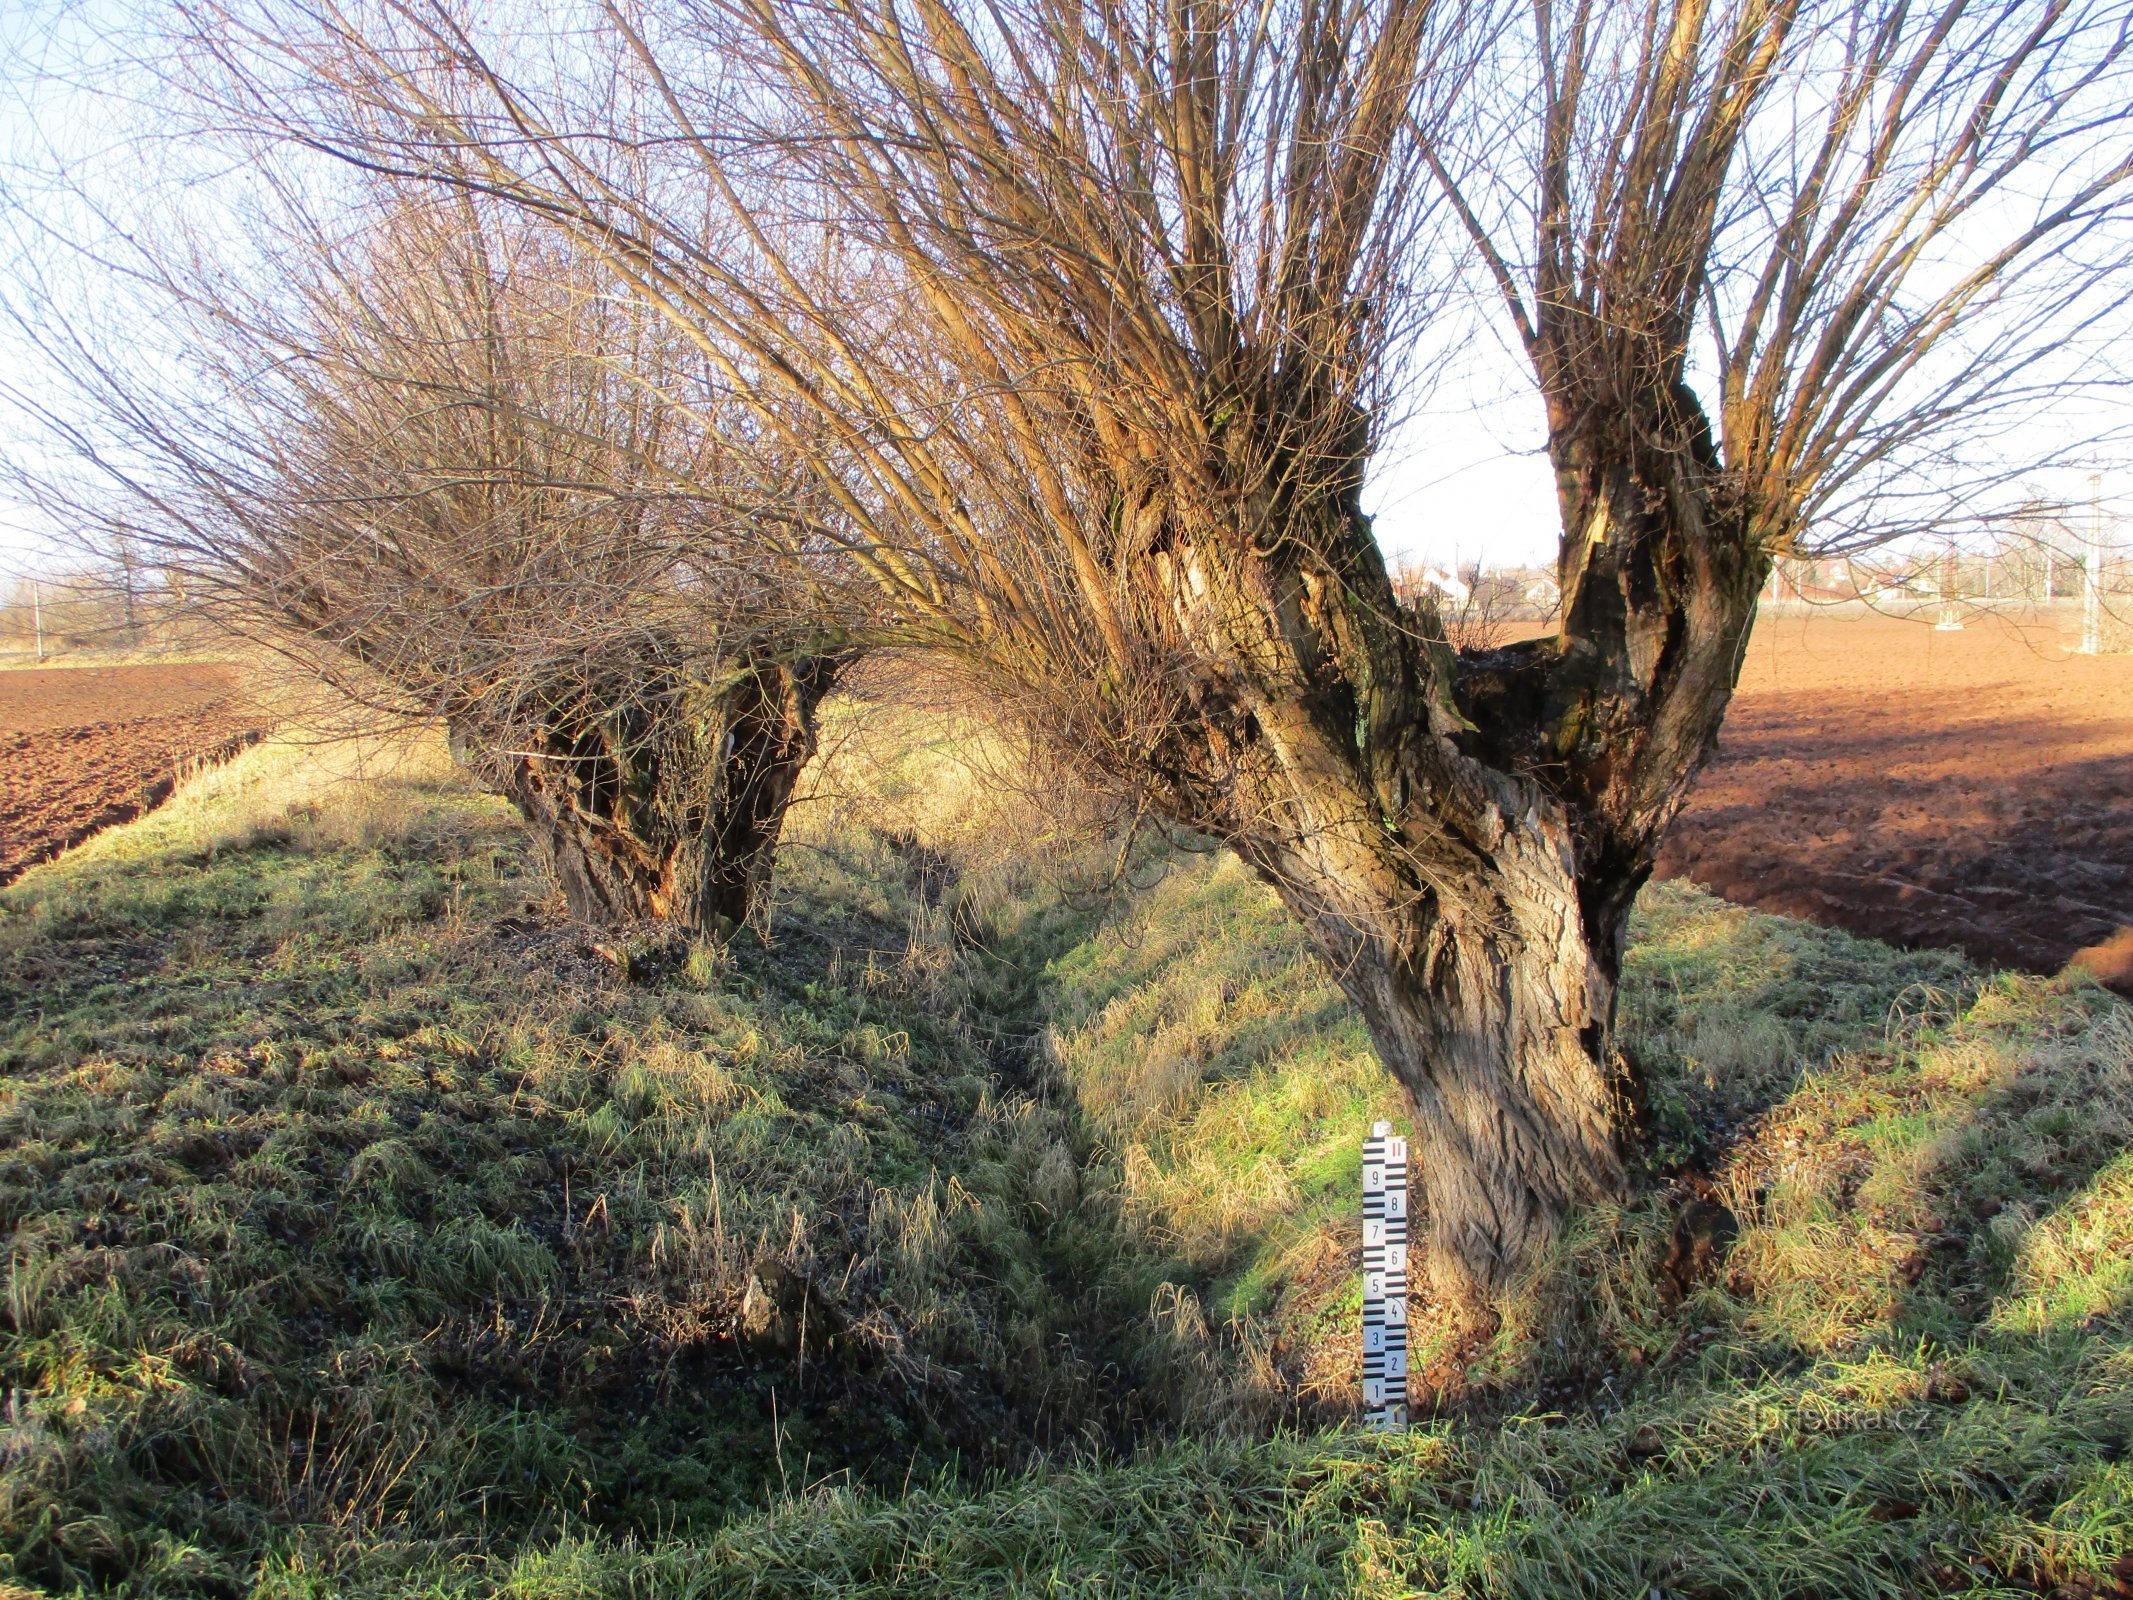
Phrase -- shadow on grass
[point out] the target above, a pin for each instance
(355, 1200)
(363, 1220)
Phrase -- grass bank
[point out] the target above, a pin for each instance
(374, 1233)
(359, 1203)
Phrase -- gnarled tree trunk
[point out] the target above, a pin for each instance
(1463, 834)
(1493, 1007)
(769, 719)
(663, 800)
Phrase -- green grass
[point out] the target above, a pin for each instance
(373, 1235)
(355, 1200)
(1852, 1480)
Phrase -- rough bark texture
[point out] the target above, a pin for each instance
(769, 720)
(1495, 1016)
(663, 801)
(1464, 835)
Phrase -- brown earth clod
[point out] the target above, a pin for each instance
(1970, 790)
(85, 748)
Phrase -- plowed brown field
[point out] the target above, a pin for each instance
(1972, 789)
(84, 747)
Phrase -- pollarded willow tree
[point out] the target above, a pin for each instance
(1156, 272)
(428, 456)
(544, 556)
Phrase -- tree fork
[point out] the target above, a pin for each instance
(1464, 834)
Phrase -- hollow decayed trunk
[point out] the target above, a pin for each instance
(769, 721)
(665, 807)
(611, 870)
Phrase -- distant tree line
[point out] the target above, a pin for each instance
(87, 607)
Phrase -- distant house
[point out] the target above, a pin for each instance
(1412, 583)
(1821, 581)
(1496, 593)
(1447, 585)
(1890, 578)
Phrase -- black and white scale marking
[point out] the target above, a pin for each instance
(1384, 1279)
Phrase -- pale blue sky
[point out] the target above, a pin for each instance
(1460, 479)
